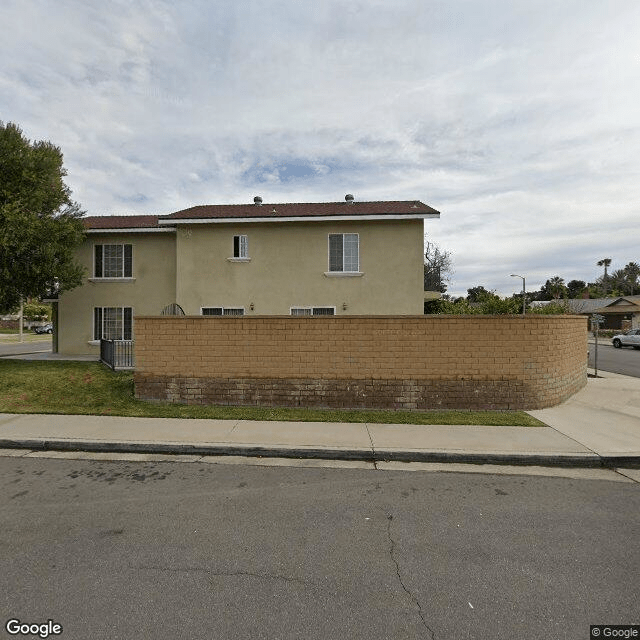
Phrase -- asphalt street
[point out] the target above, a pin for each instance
(625, 361)
(195, 550)
(11, 347)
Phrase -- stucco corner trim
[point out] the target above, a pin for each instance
(343, 274)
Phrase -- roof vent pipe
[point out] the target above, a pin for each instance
(349, 198)
(257, 201)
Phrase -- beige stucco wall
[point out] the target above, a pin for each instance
(152, 287)
(288, 266)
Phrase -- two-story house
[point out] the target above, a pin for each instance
(357, 258)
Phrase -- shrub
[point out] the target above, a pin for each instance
(36, 311)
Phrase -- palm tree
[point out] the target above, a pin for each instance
(618, 282)
(632, 271)
(605, 262)
(556, 287)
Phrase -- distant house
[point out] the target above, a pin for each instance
(326, 258)
(619, 313)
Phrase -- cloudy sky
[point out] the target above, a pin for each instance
(519, 120)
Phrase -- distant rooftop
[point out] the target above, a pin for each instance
(587, 305)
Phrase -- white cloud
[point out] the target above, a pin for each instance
(517, 119)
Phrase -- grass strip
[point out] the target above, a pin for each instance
(89, 388)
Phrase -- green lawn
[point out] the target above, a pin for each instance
(90, 388)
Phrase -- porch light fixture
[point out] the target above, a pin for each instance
(344, 306)
(251, 306)
(524, 302)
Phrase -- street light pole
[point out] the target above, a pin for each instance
(524, 293)
(21, 318)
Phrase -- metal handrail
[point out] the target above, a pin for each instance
(117, 354)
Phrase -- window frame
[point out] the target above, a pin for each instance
(126, 261)
(223, 312)
(342, 256)
(311, 310)
(241, 248)
(126, 318)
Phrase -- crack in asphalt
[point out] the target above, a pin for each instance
(402, 584)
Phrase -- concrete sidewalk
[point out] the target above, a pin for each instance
(599, 426)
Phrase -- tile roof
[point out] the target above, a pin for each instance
(120, 222)
(623, 304)
(247, 211)
(588, 305)
(302, 209)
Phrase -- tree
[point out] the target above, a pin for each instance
(557, 287)
(553, 289)
(40, 225)
(605, 262)
(477, 294)
(595, 289)
(485, 302)
(625, 280)
(437, 268)
(36, 311)
(554, 307)
(576, 288)
(492, 304)
(618, 282)
(632, 271)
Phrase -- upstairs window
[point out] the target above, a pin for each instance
(344, 252)
(240, 247)
(112, 323)
(222, 311)
(113, 261)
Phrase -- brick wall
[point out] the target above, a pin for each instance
(409, 362)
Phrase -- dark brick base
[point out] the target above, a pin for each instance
(343, 394)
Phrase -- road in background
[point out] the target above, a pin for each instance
(625, 361)
(9, 345)
(176, 550)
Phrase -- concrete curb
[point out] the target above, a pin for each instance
(589, 460)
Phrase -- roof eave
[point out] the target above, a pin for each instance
(343, 218)
(133, 230)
